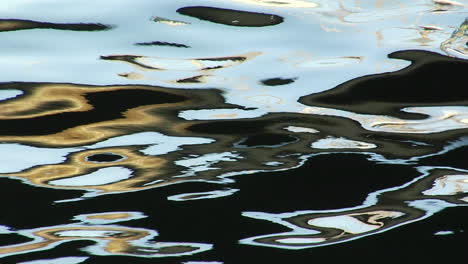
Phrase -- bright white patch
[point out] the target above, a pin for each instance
(344, 222)
(449, 185)
(4, 229)
(330, 62)
(301, 129)
(213, 114)
(8, 94)
(202, 195)
(301, 240)
(99, 177)
(65, 260)
(444, 233)
(16, 157)
(431, 206)
(203, 163)
(341, 143)
(88, 233)
(273, 163)
(161, 144)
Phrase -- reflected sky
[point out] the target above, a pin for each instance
(144, 96)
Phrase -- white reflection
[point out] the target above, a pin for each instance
(205, 162)
(449, 185)
(344, 222)
(159, 143)
(202, 195)
(64, 260)
(440, 119)
(8, 94)
(214, 114)
(297, 129)
(341, 143)
(99, 177)
(279, 3)
(444, 233)
(17, 157)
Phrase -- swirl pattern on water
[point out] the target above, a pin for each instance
(332, 120)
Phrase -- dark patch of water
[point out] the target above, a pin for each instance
(231, 17)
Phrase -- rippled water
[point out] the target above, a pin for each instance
(233, 131)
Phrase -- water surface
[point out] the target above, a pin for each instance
(233, 131)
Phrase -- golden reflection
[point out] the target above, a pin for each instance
(145, 169)
(382, 211)
(74, 100)
(174, 149)
(109, 216)
(110, 240)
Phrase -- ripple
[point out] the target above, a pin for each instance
(110, 240)
(19, 24)
(231, 17)
(417, 85)
(382, 210)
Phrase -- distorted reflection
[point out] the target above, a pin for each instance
(64, 260)
(202, 195)
(231, 17)
(199, 64)
(382, 210)
(159, 136)
(255, 88)
(456, 44)
(278, 3)
(19, 24)
(109, 239)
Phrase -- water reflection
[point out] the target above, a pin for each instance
(19, 24)
(147, 140)
(250, 87)
(437, 189)
(231, 17)
(109, 239)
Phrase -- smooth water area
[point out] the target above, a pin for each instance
(233, 131)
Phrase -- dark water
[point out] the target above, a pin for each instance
(236, 131)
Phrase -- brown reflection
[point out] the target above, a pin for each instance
(145, 169)
(110, 240)
(19, 24)
(205, 150)
(162, 43)
(155, 108)
(231, 17)
(436, 190)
